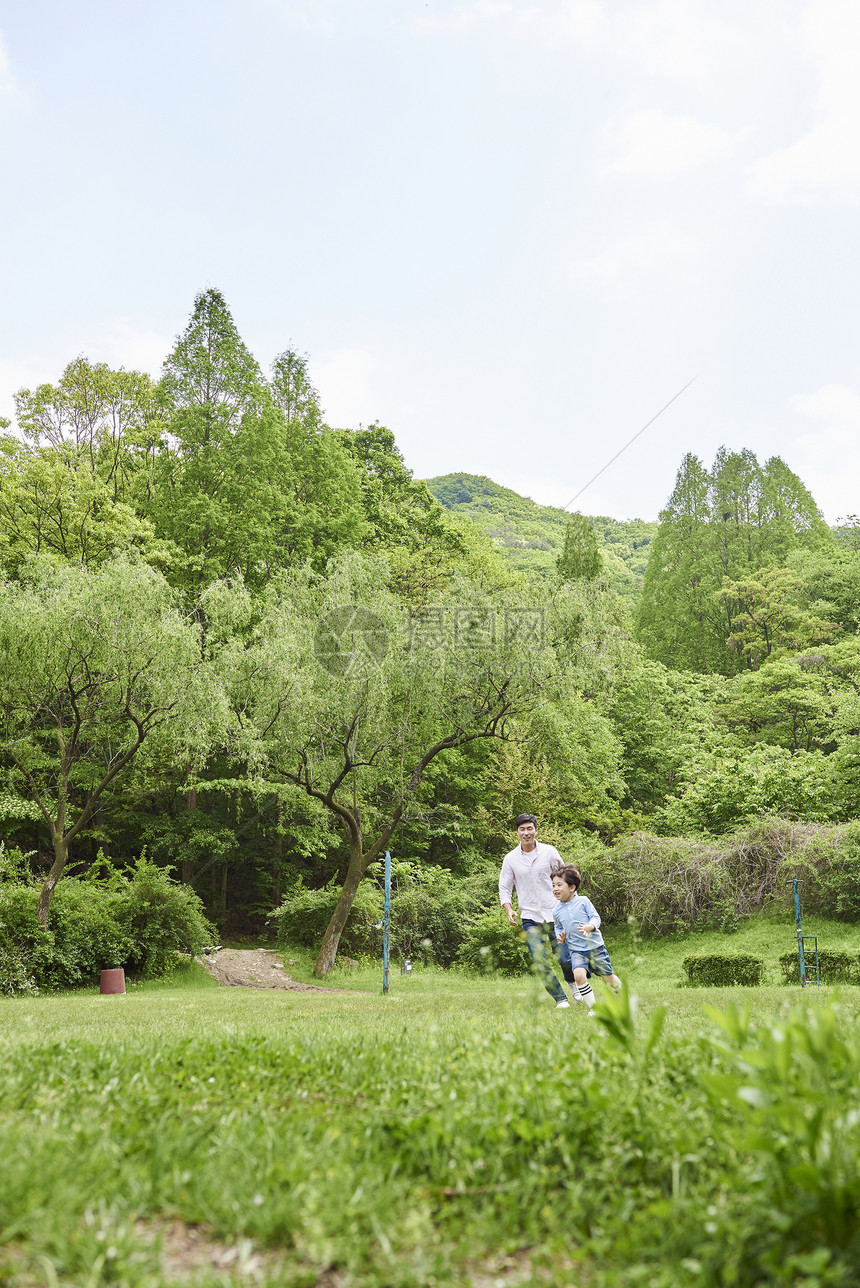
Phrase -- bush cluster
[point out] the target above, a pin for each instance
(833, 967)
(677, 884)
(434, 916)
(723, 970)
(139, 921)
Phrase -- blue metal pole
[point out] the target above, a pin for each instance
(800, 955)
(386, 921)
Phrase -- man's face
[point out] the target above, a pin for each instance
(526, 833)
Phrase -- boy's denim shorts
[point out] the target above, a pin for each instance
(595, 960)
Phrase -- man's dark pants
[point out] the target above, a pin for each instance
(543, 946)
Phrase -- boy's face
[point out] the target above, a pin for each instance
(562, 891)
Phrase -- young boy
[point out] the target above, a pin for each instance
(577, 926)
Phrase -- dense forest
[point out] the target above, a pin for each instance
(251, 647)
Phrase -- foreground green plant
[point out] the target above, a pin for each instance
(438, 1135)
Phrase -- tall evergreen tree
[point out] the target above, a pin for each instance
(580, 558)
(210, 381)
(724, 524)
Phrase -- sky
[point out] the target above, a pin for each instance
(509, 230)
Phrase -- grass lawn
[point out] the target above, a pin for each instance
(459, 1131)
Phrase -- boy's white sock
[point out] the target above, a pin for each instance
(574, 988)
(587, 994)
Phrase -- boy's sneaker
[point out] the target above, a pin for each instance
(559, 1006)
(576, 997)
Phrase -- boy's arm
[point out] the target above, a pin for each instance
(590, 915)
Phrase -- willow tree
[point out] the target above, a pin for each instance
(98, 666)
(347, 695)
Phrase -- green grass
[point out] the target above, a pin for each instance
(460, 1131)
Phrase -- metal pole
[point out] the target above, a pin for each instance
(386, 921)
(800, 956)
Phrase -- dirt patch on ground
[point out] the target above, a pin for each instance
(256, 968)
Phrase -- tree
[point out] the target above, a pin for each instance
(727, 523)
(292, 391)
(677, 620)
(766, 618)
(580, 559)
(51, 502)
(104, 419)
(249, 479)
(97, 663)
(342, 695)
(210, 381)
(786, 703)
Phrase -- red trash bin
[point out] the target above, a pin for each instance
(113, 981)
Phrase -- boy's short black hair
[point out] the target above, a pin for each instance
(571, 875)
(525, 818)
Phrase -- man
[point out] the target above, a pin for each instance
(530, 868)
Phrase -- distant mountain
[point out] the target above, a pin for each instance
(532, 535)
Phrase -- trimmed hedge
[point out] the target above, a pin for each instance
(723, 970)
(834, 967)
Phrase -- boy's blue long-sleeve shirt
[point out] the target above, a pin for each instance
(568, 916)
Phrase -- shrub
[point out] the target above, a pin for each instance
(14, 975)
(431, 905)
(161, 918)
(427, 904)
(490, 944)
(673, 884)
(833, 967)
(829, 865)
(137, 923)
(722, 970)
(304, 914)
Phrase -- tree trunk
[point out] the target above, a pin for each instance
(61, 855)
(345, 900)
(188, 864)
(222, 903)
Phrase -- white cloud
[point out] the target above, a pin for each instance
(313, 15)
(680, 40)
(580, 21)
(653, 144)
(344, 380)
(837, 404)
(828, 457)
(7, 81)
(657, 247)
(122, 342)
(823, 165)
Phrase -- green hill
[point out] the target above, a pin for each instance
(532, 535)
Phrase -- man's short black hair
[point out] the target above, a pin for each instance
(525, 818)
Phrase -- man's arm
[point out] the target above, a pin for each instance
(506, 890)
(556, 862)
